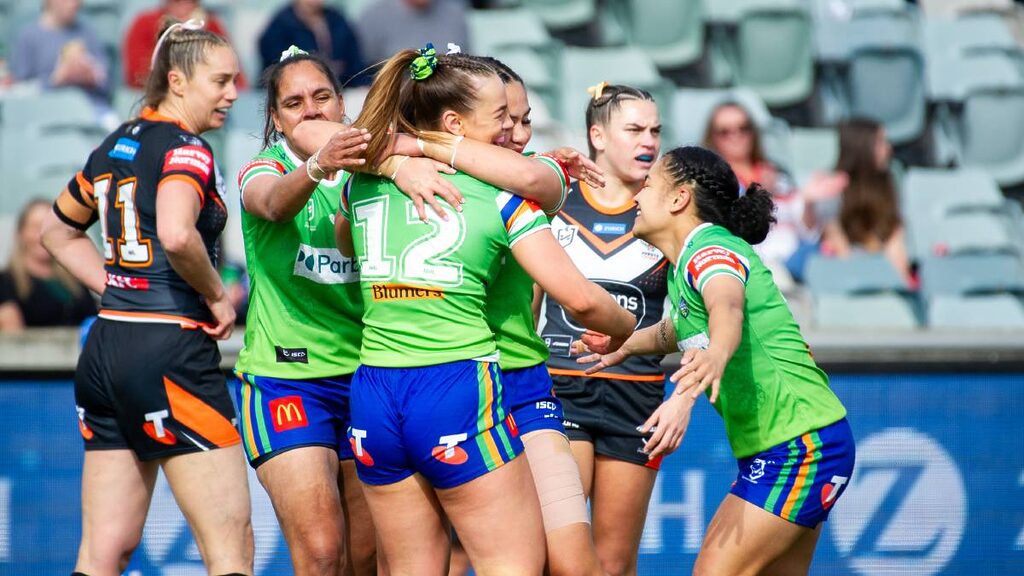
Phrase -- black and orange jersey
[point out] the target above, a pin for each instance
(600, 242)
(118, 187)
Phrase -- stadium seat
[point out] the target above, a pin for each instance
(811, 150)
(987, 140)
(949, 8)
(247, 112)
(671, 32)
(977, 233)
(875, 311)
(934, 193)
(857, 274)
(536, 74)
(584, 67)
(691, 110)
(1001, 311)
(563, 14)
(50, 111)
(774, 54)
(126, 101)
(901, 105)
(972, 275)
(491, 32)
(41, 164)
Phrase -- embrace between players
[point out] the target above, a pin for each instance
(393, 389)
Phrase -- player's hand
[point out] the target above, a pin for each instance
(579, 166)
(667, 426)
(606, 351)
(343, 150)
(223, 317)
(420, 179)
(698, 370)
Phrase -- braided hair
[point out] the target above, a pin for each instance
(747, 213)
(607, 100)
(182, 49)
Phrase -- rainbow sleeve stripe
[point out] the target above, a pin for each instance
(521, 217)
(258, 167)
(711, 261)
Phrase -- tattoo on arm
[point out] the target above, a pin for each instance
(663, 342)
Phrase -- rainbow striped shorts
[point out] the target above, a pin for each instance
(449, 422)
(800, 480)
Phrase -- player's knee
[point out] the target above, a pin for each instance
(322, 552)
(364, 558)
(619, 565)
(109, 548)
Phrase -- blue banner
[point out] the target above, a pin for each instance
(938, 488)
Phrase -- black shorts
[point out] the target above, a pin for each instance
(154, 388)
(607, 412)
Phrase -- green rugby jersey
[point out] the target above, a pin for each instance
(305, 306)
(771, 391)
(510, 304)
(424, 283)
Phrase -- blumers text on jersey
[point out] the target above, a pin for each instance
(601, 244)
(118, 187)
(305, 306)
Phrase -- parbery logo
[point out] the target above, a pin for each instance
(325, 266)
(904, 509)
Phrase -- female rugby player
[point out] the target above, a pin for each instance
(788, 431)
(149, 390)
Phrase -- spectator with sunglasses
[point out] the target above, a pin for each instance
(731, 133)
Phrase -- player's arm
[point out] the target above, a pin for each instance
(723, 296)
(277, 197)
(657, 339)
(417, 178)
(63, 234)
(543, 179)
(177, 209)
(546, 262)
(343, 235)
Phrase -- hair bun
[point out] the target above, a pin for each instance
(752, 214)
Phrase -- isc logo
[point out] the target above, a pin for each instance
(546, 405)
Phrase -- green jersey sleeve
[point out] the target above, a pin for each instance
(521, 217)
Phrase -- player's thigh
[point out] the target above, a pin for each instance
(116, 491)
(224, 531)
(303, 487)
(796, 560)
(413, 534)
(583, 452)
(622, 491)
(515, 545)
(361, 536)
(742, 539)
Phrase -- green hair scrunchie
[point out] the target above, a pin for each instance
(424, 65)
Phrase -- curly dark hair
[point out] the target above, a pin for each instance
(720, 199)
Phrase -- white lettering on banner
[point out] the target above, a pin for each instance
(167, 540)
(690, 510)
(1019, 545)
(905, 508)
(5, 519)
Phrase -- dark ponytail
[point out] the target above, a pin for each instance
(718, 195)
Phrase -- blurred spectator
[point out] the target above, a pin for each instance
(314, 27)
(731, 132)
(59, 50)
(34, 290)
(869, 215)
(140, 40)
(388, 26)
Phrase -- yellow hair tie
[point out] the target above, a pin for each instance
(597, 90)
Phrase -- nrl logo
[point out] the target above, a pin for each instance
(566, 235)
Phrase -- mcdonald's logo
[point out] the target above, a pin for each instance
(287, 413)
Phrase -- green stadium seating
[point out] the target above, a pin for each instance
(811, 150)
(997, 312)
(247, 112)
(774, 54)
(585, 67)
(692, 107)
(874, 312)
(901, 105)
(492, 32)
(49, 111)
(856, 274)
(972, 275)
(563, 14)
(671, 32)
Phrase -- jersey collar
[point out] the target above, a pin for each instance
(295, 161)
(689, 238)
(153, 116)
